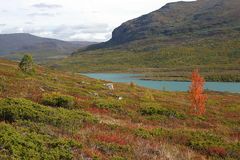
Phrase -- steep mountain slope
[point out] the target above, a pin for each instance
(42, 48)
(201, 18)
(169, 43)
(54, 115)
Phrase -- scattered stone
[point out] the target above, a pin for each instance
(109, 86)
(120, 98)
(43, 90)
(83, 82)
(95, 94)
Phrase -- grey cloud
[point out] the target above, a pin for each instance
(93, 28)
(23, 30)
(42, 14)
(101, 26)
(46, 6)
(2, 25)
(65, 32)
(28, 23)
(4, 11)
(11, 30)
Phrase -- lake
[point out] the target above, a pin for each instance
(164, 85)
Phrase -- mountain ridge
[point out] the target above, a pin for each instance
(40, 47)
(179, 19)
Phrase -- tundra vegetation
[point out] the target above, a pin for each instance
(54, 115)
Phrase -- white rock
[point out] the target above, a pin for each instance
(110, 86)
(120, 98)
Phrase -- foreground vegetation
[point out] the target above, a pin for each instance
(51, 115)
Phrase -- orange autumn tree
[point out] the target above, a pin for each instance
(197, 96)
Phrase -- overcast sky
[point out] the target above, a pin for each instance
(88, 20)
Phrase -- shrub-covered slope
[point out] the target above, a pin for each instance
(55, 115)
(218, 60)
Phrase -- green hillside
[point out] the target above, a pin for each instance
(218, 60)
(54, 115)
(169, 43)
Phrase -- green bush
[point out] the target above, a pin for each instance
(118, 158)
(203, 140)
(14, 109)
(26, 64)
(17, 143)
(110, 103)
(151, 109)
(143, 133)
(159, 132)
(58, 100)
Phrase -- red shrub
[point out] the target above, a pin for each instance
(97, 110)
(111, 139)
(219, 151)
(77, 137)
(197, 97)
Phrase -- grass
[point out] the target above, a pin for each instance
(145, 124)
(217, 59)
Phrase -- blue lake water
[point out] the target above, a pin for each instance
(164, 85)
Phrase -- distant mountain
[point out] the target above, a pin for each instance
(83, 43)
(13, 45)
(180, 20)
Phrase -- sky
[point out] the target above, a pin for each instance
(72, 20)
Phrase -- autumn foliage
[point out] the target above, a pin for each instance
(197, 96)
(111, 139)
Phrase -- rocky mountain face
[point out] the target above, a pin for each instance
(201, 18)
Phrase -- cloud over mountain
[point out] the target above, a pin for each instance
(46, 6)
(41, 14)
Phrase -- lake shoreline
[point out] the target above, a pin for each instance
(164, 85)
(164, 78)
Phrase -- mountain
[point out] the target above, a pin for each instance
(181, 20)
(13, 45)
(83, 43)
(169, 43)
(54, 115)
